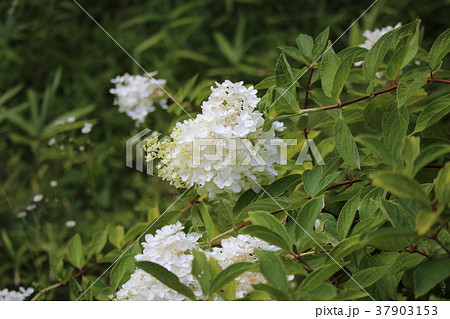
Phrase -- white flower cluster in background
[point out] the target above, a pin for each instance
(228, 116)
(171, 248)
(136, 95)
(6, 295)
(373, 36)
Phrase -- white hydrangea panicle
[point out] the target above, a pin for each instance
(241, 249)
(373, 36)
(228, 116)
(171, 248)
(22, 294)
(136, 95)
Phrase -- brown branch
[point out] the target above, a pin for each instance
(192, 203)
(361, 98)
(236, 228)
(418, 252)
(347, 182)
(335, 280)
(432, 80)
(432, 165)
(299, 258)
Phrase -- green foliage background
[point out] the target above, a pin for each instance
(55, 62)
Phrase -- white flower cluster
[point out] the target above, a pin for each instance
(136, 95)
(241, 249)
(172, 248)
(6, 295)
(216, 151)
(373, 36)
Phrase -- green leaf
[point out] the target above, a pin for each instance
(425, 220)
(302, 122)
(432, 113)
(283, 73)
(308, 215)
(285, 103)
(318, 276)
(377, 148)
(266, 102)
(401, 186)
(115, 235)
(269, 221)
(281, 185)
(398, 217)
(268, 292)
(75, 289)
(366, 277)
(267, 235)
(429, 274)
(56, 265)
(374, 110)
(406, 261)
(295, 54)
(206, 218)
(346, 247)
(413, 47)
(267, 125)
(265, 205)
(330, 65)
(406, 89)
(341, 76)
(395, 125)
(200, 270)
(305, 45)
(411, 149)
(389, 238)
(442, 186)
(320, 43)
(345, 144)
(230, 273)
(272, 268)
(75, 251)
(429, 154)
(266, 83)
(121, 271)
(97, 243)
(396, 62)
(314, 182)
(325, 291)
(136, 230)
(440, 48)
(244, 200)
(375, 56)
(166, 277)
(346, 216)
(294, 267)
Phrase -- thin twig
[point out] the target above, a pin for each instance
(51, 287)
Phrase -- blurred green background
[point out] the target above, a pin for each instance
(56, 62)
